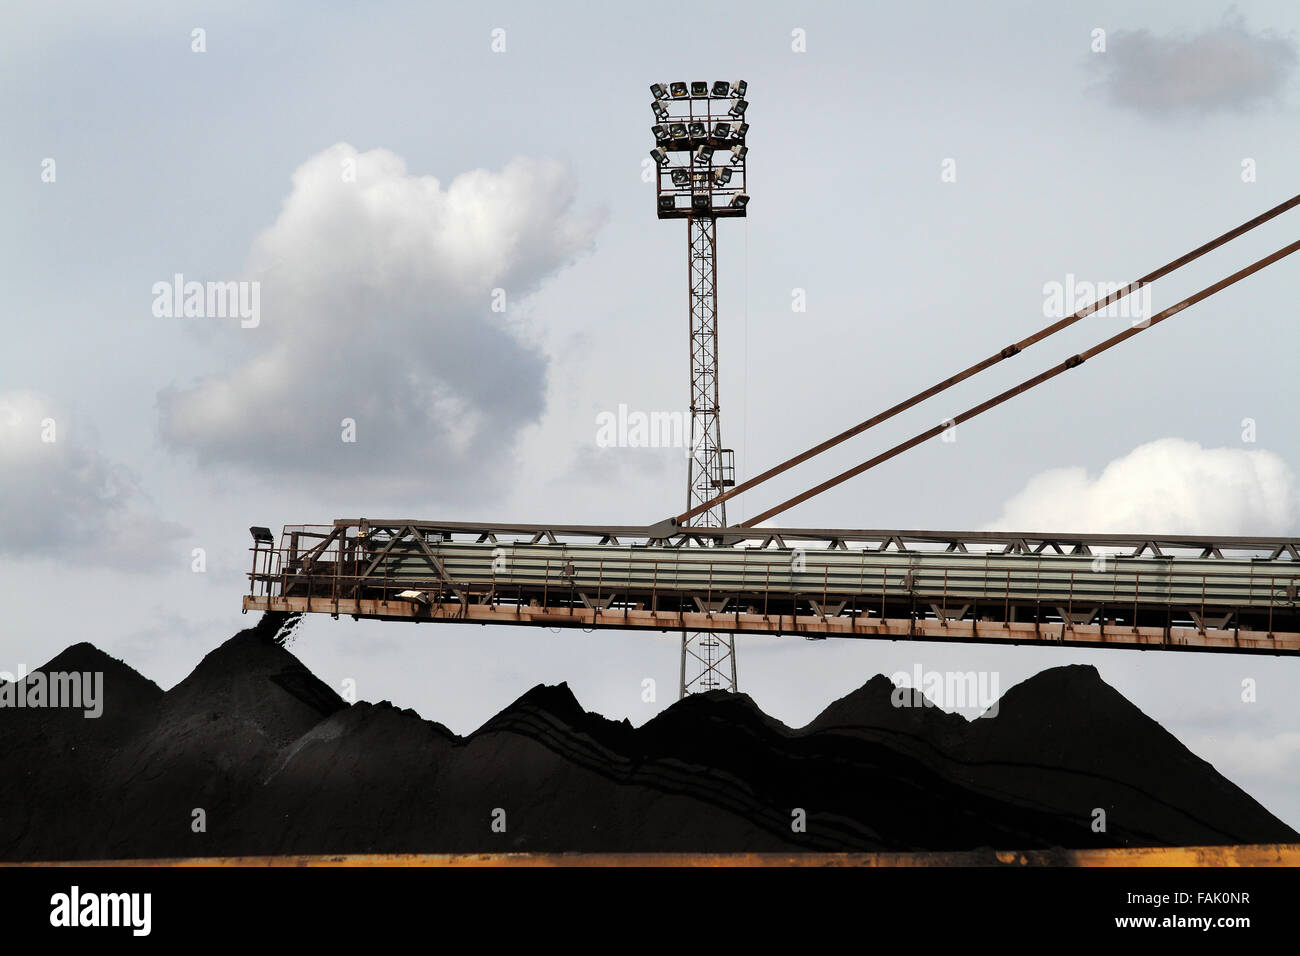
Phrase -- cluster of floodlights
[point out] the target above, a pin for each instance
(700, 138)
(683, 91)
(700, 203)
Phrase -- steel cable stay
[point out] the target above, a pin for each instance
(1069, 363)
(989, 362)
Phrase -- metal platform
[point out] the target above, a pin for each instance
(1207, 593)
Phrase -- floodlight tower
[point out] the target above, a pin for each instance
(700, 156)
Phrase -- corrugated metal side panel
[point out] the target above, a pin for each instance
(1081, 580)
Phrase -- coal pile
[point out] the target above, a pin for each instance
(273, 761)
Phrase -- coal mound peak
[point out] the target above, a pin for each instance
(280, 763)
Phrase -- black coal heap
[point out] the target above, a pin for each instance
(273, 761)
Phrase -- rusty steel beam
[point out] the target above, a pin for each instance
(1249, 854)
(813, 626)
(1027, 541)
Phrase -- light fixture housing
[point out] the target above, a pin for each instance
(699, 149)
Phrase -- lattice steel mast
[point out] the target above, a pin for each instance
(701, 121)
(704, 475)
(708, 659)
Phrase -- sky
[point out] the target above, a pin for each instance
(444, 214)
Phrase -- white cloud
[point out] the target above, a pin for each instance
(60, 497)
(1244, 755)
(377, 300)
(1169, 486)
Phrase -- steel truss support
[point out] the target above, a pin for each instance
(708, 659)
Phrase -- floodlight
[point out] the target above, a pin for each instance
(659, 156)
(660, 131)
(739, 87)
(738, 107)
(666, 203)
(723, 175)
(740, 131)
(261, 535)
(721, 88)
(677, 89)
(659, 91)
(738, 155)
(699, 89)
(678, 130)
(704, 154)
(698, 130)
(721, 130)
(661, 111)
(681, 178)
(700, 201)
(740, 202)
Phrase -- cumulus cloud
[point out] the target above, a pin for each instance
(62, 498)
(378, 289)
(1226, 67)
(1169, 486)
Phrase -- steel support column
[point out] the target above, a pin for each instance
(708, 659)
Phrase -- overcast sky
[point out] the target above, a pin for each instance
(380, 170)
